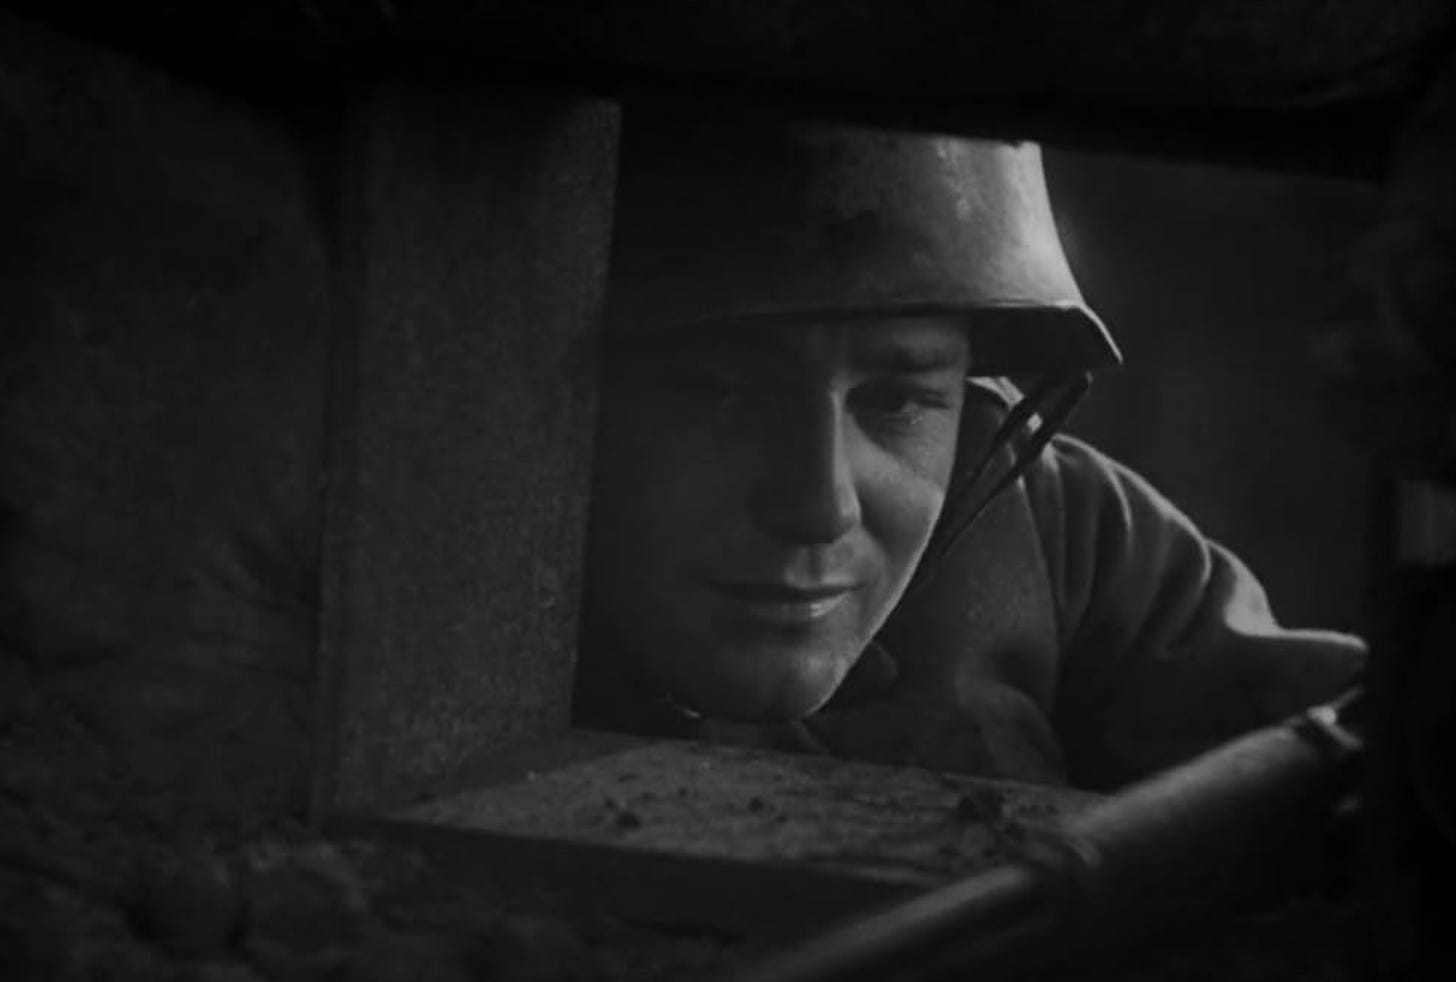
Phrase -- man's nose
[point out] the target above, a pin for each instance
(806, 490)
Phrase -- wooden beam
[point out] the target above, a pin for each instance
(1305, 84)
(741, 840)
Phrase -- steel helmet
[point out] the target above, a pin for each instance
(725, 214)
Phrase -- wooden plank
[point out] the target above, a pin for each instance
(1136, 52)
(1304, 83)
(474, 238)
(733, 838)
(762, 901)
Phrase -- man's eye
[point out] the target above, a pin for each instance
(900, 403)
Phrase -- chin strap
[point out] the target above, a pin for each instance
(1029, 426)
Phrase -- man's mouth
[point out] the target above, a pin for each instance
(783, 603)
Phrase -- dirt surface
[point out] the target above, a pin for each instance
(102, 878)
(688, 798)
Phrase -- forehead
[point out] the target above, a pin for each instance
(880, 343)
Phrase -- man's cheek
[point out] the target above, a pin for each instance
(904, 515)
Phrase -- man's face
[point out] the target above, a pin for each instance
(762, 498)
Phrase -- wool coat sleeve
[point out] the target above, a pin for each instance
(1167, 642)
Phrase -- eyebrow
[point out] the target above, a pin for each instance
(901, 356)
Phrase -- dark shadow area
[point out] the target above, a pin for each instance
(1219, 284)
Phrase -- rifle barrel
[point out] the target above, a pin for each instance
(1198, 838)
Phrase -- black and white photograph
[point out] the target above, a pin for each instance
(733, 491)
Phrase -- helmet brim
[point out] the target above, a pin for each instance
(1005, 338)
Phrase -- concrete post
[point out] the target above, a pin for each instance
(473, 251)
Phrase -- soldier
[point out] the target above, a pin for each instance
(832, 511)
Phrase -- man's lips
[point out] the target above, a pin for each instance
(788, 604)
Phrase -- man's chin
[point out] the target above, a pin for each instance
(757, 701)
